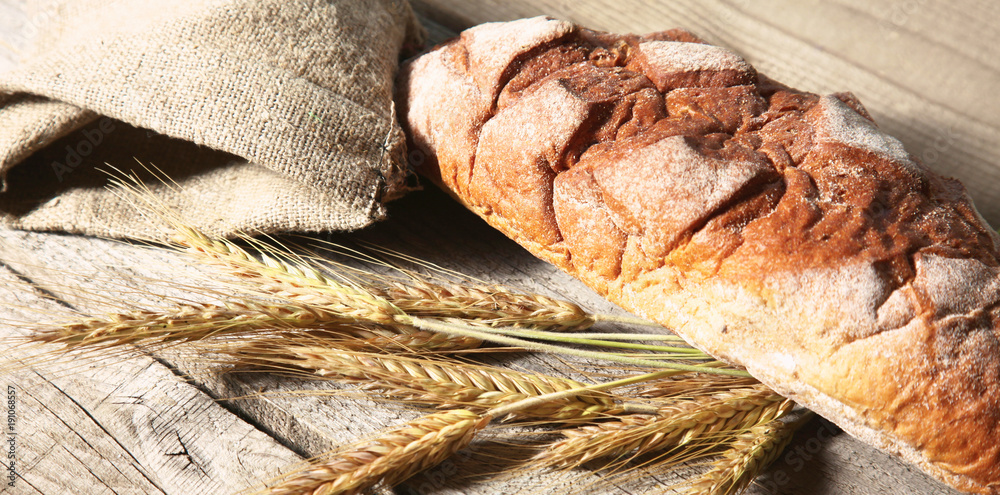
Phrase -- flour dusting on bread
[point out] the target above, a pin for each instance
(837, 122)
(492, 47)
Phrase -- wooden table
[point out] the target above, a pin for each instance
(159, 424)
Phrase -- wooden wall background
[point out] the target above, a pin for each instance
(927, 70)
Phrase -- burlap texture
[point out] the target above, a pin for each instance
(272, 115)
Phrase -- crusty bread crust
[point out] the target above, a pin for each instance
(775, 229)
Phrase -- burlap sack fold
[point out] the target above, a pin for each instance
(272, 115)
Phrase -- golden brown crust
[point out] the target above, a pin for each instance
(776, 229)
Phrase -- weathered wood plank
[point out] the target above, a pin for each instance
(122, 426)
(56, 441)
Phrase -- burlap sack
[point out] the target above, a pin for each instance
(272, 115)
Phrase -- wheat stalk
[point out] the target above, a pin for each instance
(506, 337)
(391, 458)
(435, 382)
(749, 454)
(675, 425)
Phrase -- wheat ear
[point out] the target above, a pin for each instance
(434, 382)
(182, 323)
(675, 425)
(391, 458)
(493, 306)
(292, 282)
(416, 341)
(747, 457)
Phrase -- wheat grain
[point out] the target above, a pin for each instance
(750, 453)
(417, 341)
(675, 425)
(690, 385)
(389, 459)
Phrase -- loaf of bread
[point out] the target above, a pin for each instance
(776, 229)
